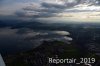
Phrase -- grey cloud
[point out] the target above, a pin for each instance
(47, 9)
(46, 15)
(98, 2)
(90, 2)
(20, 13)
(73, 3)
(76, 10)
(52, 5)
(36, 14)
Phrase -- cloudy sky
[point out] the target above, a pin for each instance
(64, 10)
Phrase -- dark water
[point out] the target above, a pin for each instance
(25, 36)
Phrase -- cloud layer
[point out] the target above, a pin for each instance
(40, 9)
(53, 8)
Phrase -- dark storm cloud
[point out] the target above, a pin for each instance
(31, 14)
(45, 15)
(51, 5)
(50, 9)
(20, 13)
(45, 9)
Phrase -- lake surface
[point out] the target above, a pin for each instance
(28, 36)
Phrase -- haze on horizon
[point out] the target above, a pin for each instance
(51, 10)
